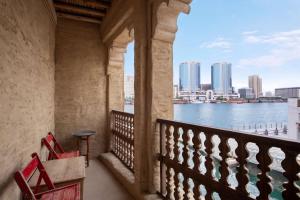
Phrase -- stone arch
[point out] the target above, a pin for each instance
(115, 69)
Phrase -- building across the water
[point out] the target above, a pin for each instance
(221, 78)
(292, 92)
(129, 87)
(205, 87)
(246, 93)
(255, 82)
(189, 77)
(175, 91)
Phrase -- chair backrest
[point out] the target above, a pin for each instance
(23, 176)
(53, 149)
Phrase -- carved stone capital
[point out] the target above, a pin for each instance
(165, 16)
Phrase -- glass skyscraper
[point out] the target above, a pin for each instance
(221, 78)
(189, 77)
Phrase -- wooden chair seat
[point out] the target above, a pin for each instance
(22, 177)
(68, 154)
(56, 151)
(68, 193)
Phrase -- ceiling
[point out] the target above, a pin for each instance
(83, 10)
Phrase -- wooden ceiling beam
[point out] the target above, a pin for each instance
(87, 4)
(77, 10)
(79, 18)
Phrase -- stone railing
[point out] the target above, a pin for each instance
(198, 162)
(122, 139)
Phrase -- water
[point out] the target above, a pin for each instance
(229, 115)
(234, 116)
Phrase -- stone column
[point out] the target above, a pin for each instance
(115, 77)
(155, 28)
(115, 82)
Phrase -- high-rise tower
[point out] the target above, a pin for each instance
(221, 78)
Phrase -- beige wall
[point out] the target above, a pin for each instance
(80, 98)
(26, 85)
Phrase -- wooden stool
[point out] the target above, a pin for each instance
(84, 135)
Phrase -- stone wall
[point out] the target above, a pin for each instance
(80, 97)
(27, 31)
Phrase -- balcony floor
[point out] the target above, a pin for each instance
(101, 184)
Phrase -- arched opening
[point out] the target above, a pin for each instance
(129, 78)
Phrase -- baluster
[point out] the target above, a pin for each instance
(176, 185)
(176, 158)
(128, 141)
(186, 188)
(209, 162)
(185, 153)
(197, 154)
(264, 161)
(291, 168)
(132, 137)
(224, 150)
(123, 135)
(176, 144)
(124, 139)
(118, 135)
(168, 142)
(168, 184)
(241, 176)
(196, 190)
(118, 145)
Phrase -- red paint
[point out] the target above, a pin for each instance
(56, 151)
(70, 192)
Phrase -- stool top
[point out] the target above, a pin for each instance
(83, 133)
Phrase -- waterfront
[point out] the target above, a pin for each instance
(229, 116)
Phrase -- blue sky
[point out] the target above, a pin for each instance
(257, 36)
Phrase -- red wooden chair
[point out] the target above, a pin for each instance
(56, 151)
(70, 192)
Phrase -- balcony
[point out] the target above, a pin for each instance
(62, 66)
(198, 162)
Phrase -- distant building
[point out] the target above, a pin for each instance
(129, 87)
(246, 93)
(221, 78)
(269, 94)
(206, 87)
(175, 91)
(255, 82)
(189, 77)
(293, 92)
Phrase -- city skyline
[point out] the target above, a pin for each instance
(267, 43)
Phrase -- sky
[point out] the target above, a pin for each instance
(257, 36)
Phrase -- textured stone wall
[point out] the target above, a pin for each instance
(26, 85)
(80, 96)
